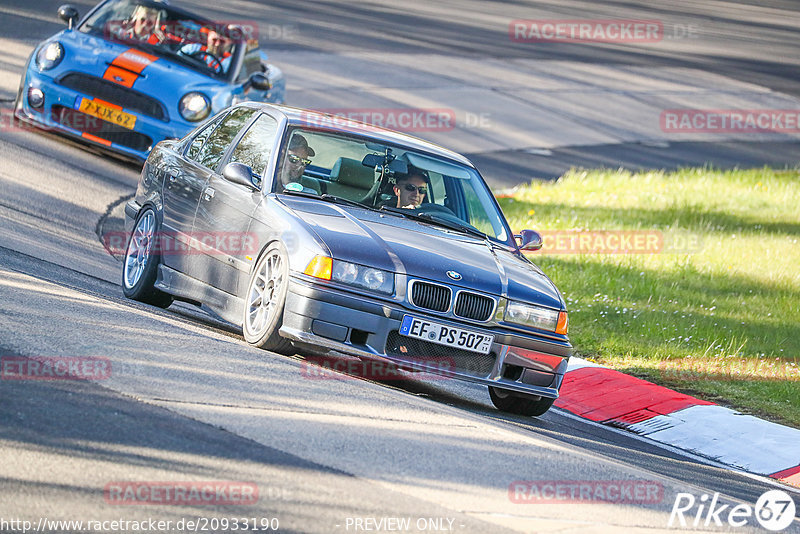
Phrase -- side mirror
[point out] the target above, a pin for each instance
(239, 173)
(529, 240)
(259, 81)
(69, 14)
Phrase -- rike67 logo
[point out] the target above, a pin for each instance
(774, 511)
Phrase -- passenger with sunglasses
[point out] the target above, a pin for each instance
(411, 189)
(297, 159)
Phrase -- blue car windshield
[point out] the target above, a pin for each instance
(395, 179)
(204, 46)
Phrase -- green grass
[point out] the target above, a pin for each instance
(719, 318)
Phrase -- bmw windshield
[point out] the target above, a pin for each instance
(394, 179)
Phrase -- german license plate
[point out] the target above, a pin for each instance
(460, 338)
(109, 114)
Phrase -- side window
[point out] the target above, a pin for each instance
(476, 212)
(255, 147)
(221, 137)
(200, 138)
(437, 192)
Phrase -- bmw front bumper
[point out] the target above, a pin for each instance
(326, 320)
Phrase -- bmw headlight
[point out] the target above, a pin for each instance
(194, 106)
(536, 317)
(364, 277)
(49, 55)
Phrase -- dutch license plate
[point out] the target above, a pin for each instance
(101, 111)
(449, 336)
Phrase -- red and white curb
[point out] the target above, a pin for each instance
(745, 442)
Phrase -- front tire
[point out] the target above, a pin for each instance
(529, 405)
(265, 300)
(140, 263)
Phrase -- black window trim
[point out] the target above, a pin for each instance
(233, 142)
(213, 123)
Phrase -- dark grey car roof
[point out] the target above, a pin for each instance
(310, 118)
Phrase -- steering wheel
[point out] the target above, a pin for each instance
(430, 207)
(215, 62)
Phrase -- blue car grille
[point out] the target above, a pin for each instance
(100, 128)
(474, 306)
(437, 298)
(114, 94)
(430, 296)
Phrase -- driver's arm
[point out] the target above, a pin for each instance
(190, 48)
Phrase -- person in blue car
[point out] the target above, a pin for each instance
(216, 53)
(411, 188)
(143, 25)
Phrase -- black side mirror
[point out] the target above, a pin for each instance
(258, 81)
(69, 14)
(529, 240)
(239, 173)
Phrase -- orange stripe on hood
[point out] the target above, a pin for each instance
(127, 66)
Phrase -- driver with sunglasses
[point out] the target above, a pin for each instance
(411, 189)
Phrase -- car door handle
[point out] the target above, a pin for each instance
(208, 193)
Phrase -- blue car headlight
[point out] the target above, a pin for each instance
(364, 277)
(194, 106)
(536, 317)
(49, 55)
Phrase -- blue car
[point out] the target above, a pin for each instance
(133, 73)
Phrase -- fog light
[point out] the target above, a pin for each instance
(35, 97)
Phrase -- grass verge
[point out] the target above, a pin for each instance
(706, 296)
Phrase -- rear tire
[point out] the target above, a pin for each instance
(265, 300)
(529, 405)
(140, 263)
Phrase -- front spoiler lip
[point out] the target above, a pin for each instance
(57, 129)
(494, 380)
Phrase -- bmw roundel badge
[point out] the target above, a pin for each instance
(454, 275)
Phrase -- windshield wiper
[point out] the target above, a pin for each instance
(433, 219)
(342, 200)
(329, 198)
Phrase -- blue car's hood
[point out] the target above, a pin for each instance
(160, 76)
(421, 250)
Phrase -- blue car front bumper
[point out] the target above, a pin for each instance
(59, 113)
